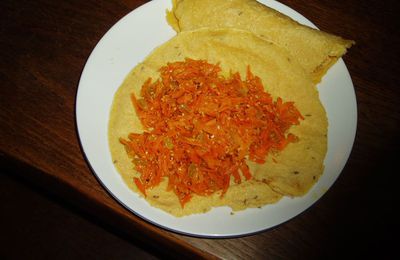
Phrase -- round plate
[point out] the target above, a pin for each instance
(127, 43)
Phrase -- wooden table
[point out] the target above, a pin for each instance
(44, 45)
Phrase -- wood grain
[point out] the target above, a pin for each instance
(43, 48)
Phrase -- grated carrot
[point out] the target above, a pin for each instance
(201, 127)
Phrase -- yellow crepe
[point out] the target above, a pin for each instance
(316, 51)
(298, 166)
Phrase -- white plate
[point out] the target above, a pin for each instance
(128, 42)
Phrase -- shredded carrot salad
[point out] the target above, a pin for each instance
(200, 128)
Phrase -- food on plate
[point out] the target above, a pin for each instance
(230, 66)
(201, 127)
(316, 51)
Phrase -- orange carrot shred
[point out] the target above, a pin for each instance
(201, 127)
(140, 186)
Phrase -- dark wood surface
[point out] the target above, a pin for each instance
(48, 229)
(43, 48)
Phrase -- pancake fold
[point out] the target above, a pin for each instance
(316, 51)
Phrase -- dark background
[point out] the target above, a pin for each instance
(35, 224)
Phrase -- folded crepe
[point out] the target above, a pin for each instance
(316, 51)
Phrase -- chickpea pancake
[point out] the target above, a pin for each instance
(316, 51)
(290, 172)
